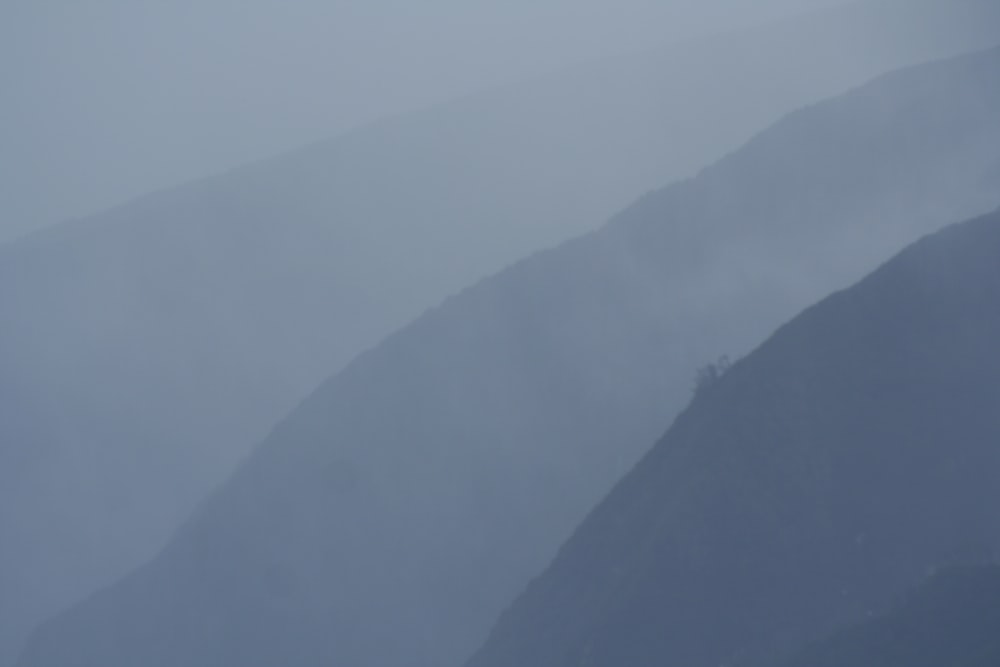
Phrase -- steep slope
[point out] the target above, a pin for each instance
(819, 478)
(394, 513)
(952, 619)
(144, 350)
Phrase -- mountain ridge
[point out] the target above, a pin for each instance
(516, 404)
(766, 515)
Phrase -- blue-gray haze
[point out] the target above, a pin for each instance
(104, 100)
(145, 350)
(391, 516)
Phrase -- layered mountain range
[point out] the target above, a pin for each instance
(809, 486)
(391, 516)
(146, 349)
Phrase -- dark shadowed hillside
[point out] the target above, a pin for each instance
(391, 516)
(953, 619)
(145, 350)
(813, 483)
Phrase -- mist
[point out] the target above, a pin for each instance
(333, 333)
(107, 100)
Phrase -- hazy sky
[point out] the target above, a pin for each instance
(107, 99)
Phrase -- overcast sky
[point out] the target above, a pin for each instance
(104, 100)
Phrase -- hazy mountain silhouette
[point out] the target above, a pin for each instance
(166, 99)
(952, 619)
(144, 350)
(815, 481)
(398, 509)
(84, 133)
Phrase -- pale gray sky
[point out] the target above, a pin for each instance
(104, 100)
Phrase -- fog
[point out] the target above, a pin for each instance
(360, 310)
(105, 100)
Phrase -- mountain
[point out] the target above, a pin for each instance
(145, 350)
(814, 482)
(85, 128)
(391, 516)
(951, 619)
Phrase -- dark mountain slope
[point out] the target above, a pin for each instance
(475, 439)
(816, 480)
(144, 350)
(953, 619)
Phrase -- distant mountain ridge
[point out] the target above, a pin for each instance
(817, 480)
(473, 440)
(145, 350)
(83, 129)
